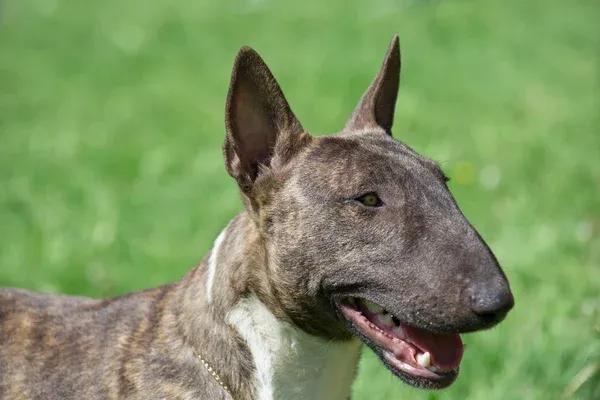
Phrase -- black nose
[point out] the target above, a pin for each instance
(492, 302)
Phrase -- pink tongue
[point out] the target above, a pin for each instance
(446, 349)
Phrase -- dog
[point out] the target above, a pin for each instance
(344, 239)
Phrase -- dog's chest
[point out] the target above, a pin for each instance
(291, 364)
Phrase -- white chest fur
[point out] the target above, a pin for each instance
(291, 364)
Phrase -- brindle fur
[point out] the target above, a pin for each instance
(298, 246)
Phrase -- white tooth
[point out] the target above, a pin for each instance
(424, 359)
(384, 319)
(374, 308)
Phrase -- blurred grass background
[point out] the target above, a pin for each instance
(112, 180)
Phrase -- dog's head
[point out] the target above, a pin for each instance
(361, 235)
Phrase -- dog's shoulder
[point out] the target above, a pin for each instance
(57, 345)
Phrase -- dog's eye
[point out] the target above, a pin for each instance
(370, 200)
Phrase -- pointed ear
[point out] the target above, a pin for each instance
(261, 127)
(376, 107)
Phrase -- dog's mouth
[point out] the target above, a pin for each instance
(420, 357)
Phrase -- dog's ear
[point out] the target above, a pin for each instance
(262, 130)
(376, 107)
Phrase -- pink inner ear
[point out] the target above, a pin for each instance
(254, 133)
(256, 111)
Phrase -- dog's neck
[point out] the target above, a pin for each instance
(226, 316)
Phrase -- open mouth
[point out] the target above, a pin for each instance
(420, 357)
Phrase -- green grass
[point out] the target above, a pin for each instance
(112, 180)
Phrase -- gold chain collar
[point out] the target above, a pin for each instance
(214, 374)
